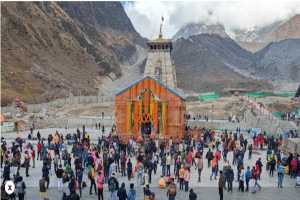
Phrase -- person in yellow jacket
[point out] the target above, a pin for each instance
(162, 183)
(92, 176)
(181, 177)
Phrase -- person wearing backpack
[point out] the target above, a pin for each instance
(20, 187)
(247, 178)
(131, 192)
(280, 172)
(59, 174)
(100, 181)
(171, 193)
(92, 175)
(113, 187)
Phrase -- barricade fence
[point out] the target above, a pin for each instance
(35, 108)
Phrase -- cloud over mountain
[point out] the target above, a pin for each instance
(245, 14)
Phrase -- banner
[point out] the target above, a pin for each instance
(128, 117)
(164, 117)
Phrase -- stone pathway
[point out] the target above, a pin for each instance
(206, 189)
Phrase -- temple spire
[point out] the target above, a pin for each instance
(160, 30)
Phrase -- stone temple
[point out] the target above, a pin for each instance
(159, 64)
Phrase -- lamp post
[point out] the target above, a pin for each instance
(212, 112)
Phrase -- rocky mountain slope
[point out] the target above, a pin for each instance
(256, 34)
(52, 49)
(209, 62)
(279, 61)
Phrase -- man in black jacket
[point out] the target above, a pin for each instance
(230, 178)
(59, 174)
(129, 169)
(6, 172)
(122, 194)
(209, 156)
(192, 195)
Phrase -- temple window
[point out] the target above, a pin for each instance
(158, 72)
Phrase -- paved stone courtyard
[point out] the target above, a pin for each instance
(205, 190)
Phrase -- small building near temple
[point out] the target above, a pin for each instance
(149, 106)
(152, 105)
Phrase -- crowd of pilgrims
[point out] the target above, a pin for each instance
(97, 166)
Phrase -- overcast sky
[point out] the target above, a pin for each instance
(238, 14)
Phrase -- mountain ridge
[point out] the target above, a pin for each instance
(204, 55)
(48, 54)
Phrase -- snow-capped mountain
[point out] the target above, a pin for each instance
(200, 28)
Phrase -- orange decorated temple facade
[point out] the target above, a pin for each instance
(149, 106)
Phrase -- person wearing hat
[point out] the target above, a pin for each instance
(147, 193)
(171, 193)
(192, 195)
(221, 185)
(113, 186)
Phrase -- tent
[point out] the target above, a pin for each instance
(261, 94)
(284, 94)
(258, 94)
(277, 114)
(209, 96)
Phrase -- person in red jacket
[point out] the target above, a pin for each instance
(33, 157)
(294, 165)
(189, 158)
(39, 149)
(255, 176)
(100, 181)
